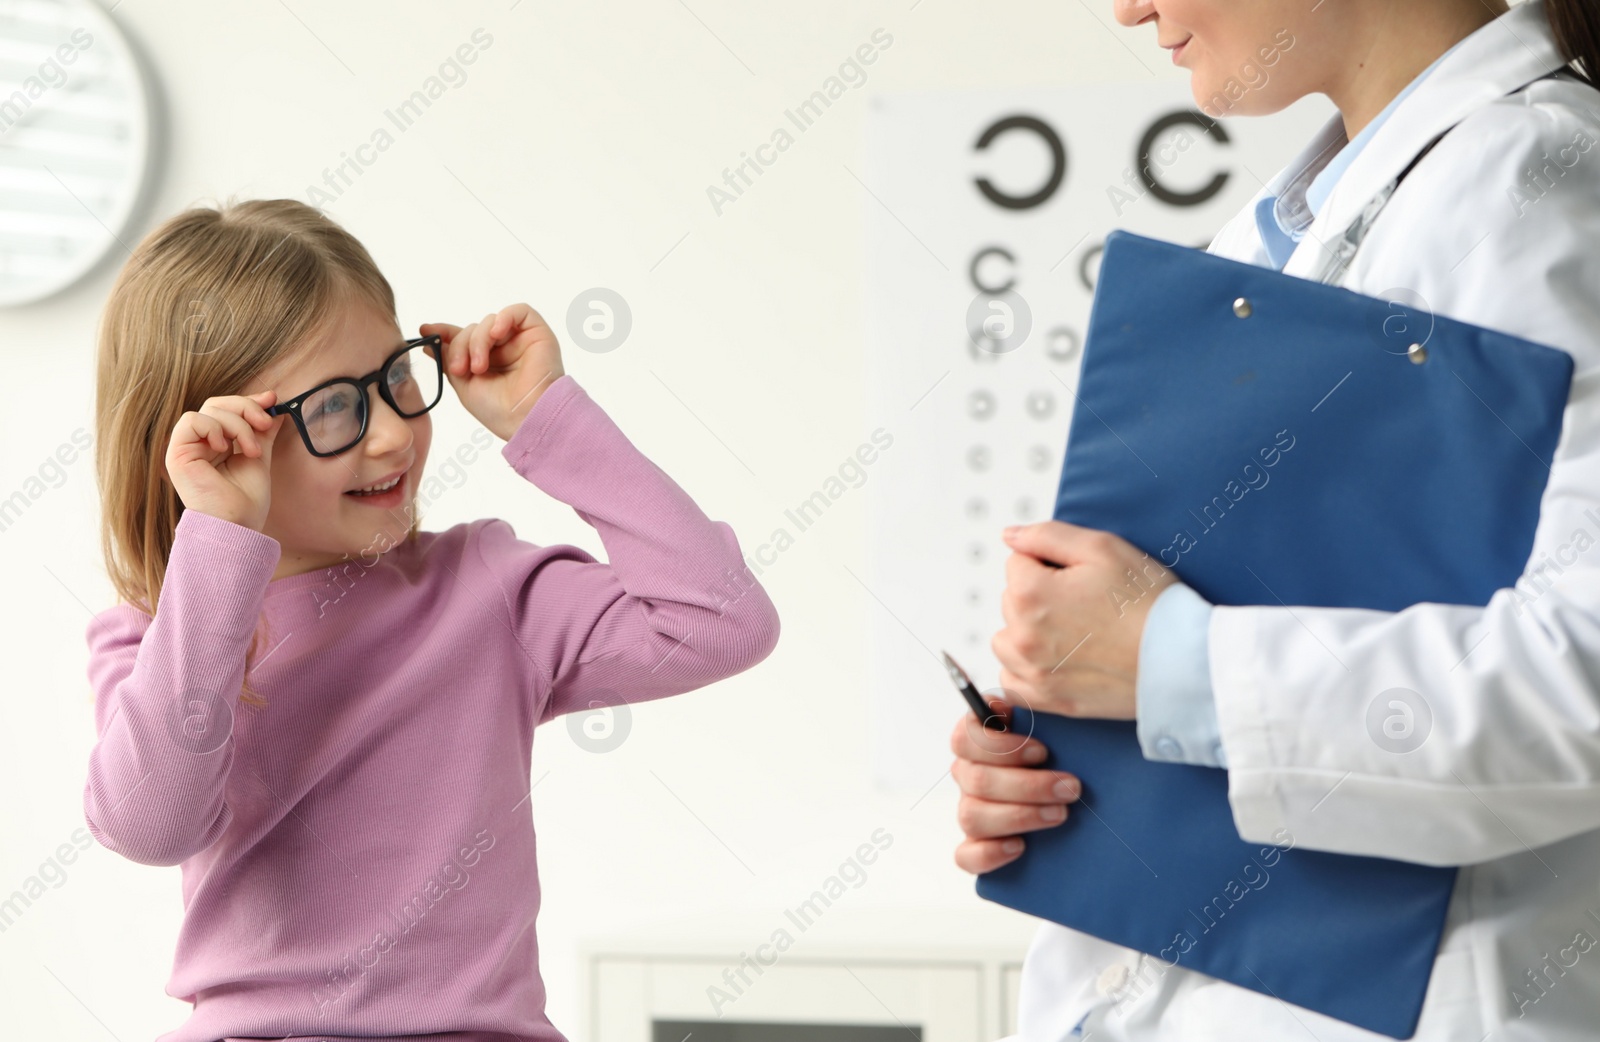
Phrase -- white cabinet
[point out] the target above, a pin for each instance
(935, 1002)
(935, 976)
(1010, 987)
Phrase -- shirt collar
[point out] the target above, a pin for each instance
(1317, 191)
(1287, 204)
(1496, 59)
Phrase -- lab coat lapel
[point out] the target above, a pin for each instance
(1513, 50)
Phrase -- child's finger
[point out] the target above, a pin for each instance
(269, 437)
(480, 343)
(513, 316)
(233, 427)
(249, 408)
(193, 436)
(446, 331)
(256, 410)
(458, 352)
(209, 431)
(202, 430)
(463, 347)
(527, 316)
(472, 334)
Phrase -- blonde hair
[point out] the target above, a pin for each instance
(205, 304)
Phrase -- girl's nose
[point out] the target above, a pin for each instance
(387, 431)
(1134, 12)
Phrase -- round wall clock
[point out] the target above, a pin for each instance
(75, 143)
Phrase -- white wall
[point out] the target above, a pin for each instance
(590, 133)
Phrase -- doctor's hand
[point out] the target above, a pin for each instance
(1071, 640)
(499, 367)
(1001, 794)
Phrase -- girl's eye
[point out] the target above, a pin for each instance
(330, 405)
(399, 373)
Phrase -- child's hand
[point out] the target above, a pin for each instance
(220, 458)
(499, 367)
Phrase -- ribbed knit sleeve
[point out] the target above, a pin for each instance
(675, 608)
(165, 692)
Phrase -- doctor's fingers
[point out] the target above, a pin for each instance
(970, 740)
(985, 855)
(1029, 785)
(1026, 574)
(986, 819)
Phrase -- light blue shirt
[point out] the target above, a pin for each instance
(1280, 240)
(1177, 711)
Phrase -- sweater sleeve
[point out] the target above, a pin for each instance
(675, 608)
(165, 690)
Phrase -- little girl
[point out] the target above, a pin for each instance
(323, 713)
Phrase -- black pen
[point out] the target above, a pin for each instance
(981, 709)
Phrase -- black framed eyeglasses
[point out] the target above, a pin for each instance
(332, 416)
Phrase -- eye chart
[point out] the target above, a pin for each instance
(985, 213)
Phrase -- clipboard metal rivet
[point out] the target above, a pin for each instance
(1417, 353)
(1241, 307)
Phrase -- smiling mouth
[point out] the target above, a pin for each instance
(381, 487)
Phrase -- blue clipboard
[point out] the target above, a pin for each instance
(1409, 476)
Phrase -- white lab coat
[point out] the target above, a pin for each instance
(1507, 782)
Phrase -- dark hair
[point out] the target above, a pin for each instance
(1576, 24)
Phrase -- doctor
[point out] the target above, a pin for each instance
(1497, 224)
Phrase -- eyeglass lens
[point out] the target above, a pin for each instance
(333, 415)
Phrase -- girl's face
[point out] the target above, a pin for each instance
(1250, 57)
(313, 516)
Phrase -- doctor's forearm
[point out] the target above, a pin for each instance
(1443, 734)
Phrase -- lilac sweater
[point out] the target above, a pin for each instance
(358, 856)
